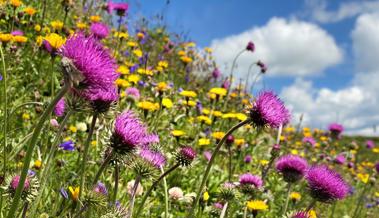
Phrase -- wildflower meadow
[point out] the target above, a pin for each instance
(105, 117)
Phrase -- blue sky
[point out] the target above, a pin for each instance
(327, 70)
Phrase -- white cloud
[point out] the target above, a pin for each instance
(355, 106)
(348, 9)
(288, 47)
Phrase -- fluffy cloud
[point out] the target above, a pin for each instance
(289, 47)
(319, 12)
(355, 106)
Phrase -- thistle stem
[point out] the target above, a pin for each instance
(133, 196)
(224, 208)
(85, 153)
(5, 118)
(102, 167)
(230, 162)
(210, 163)
(289, 186)
(152, 187)
(360, 201)
(25, 209)
(32, 144)
(116, 178)
(165, 194)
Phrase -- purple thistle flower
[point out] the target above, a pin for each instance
(101, 188)
(250, 46)
(340, 159)
(370, 144)
(216, 73)
(218, 205)
(292, 167)
(309, 140)
(325, 184)
(150, 139)
(59, 108)
(269, 110)
(17, 33)
(95, 64)
(300, 214)
(16, 180)
(155, 158)
(186, 155)
(250, 180)
(247, 159)
(68, 145)
(99, 30)
(377, 167)
(129, 132)
(132, 92)
(120, 7)
(226, 84)
(102, 97)
(335, 128)
(262, 66)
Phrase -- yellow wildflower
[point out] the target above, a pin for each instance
(73, 129)
(122, 83)
(140, 35)
(263, 162)
(134, 78)
(147, 105)
(55, 40)
(74, 192)
(37, 164)
(204, 141)
(186, 59)
(16, 3)
(145, 71)
(123, 70)
(256, 205)
(37, 28)
(162, 86)
(217, 113)
(204, 119)
(167, 103)
(295, 196)
(131, 44)
(5, 37)
(241, 116)
(20, 39)
(81, 25)
(205, 196)
(218, 91)
(39, 40)
(177, 133)
(239, 142)
(363, 177)
(95, 18)
(25, 116)
(188, 94)
(218, 135)
(138, 53)
(57, 25)
(30, 11)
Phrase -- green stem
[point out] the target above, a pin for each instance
(230, 162)
(85, 153)
(152, 187)
(116, 179)
(32, 144)
(333, 210)
(52, 76)
(360, 200)
(165, 194)
(47, 163)
(289, 186)
(5, 120)
(210, 163)
(102, 167)
(133, 196)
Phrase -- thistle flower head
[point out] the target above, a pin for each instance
(250, 183)
(16, 180)
(185, 155)
(99, 30)
(335, 128)
(93, 62)
(155, 158)
(250, 46)
(30, 190)
(292, 167)
(128, 133)
(268, 110)
(309, 140)
(59, 108)
(325, 184)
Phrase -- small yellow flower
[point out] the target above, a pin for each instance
(147, 105)
(30, 11)
(122, 83)
(241, 116)
(74, 192)
(206, 196)
(177, 133)
(163, 64)
(56, 41)
(208, 50)
(20, 39)
(375, 150)
(73, 129)
(37, 28)
(140, 35)
(134, 78)
(188, 94)
(94, 143)
(228, 116)
(138, 53)
(218, 135)
(264, 162)
(206, 111)
(57, 25)
(218, 91)
(162, 86)
(5, 37)
(186, 59)
(239, 142)
(294, 152)
(25, 116)
(257, 205)
(181, 53)
(312, 214)
(363, 177)
(39, 40)
(217, 113)
(145, 71)
(124, 70)
(204, 119)
(16, 3)
(81, 25)
(37, 164)
(190, 103)
(167, 103)
(295, 196)
(204, 141)
(324, 138)
(131, 44)
(95, 18)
